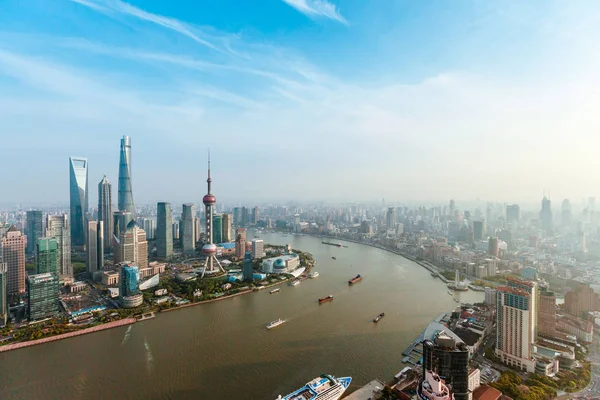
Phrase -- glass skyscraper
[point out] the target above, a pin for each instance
(78, 198)
(42, 295)
(125, 189)
(46, 258)
(218, 228)
(33, 229)
(188, 227)
(128, 280)
(57, 226)
(105, 210)
(164, 230)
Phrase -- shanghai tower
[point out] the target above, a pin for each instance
(125, 202)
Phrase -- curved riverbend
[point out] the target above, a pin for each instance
(222, 349)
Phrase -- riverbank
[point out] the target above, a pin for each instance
(97, 328)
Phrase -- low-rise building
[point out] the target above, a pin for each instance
(152, 269)
(77, 287)
(110, 278)
(582, 330)
(283, 264)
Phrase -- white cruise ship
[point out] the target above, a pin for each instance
(325, 387)
(275, 323)
(313, 274)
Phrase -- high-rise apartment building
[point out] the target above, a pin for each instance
(449, 359)
(78, 199)
(58, 227)
(187, 222)
(513, 212)
(105, 213)
(258, 246)
(240, 242)
(125, 201)
(546, 214)
(3, 295)
(13, 255)
(33, 229)
(95, 246)
(42, 296)
(516, 326)
(227, 228)
(46, 257)
(132, 246)
(164, 230)
(218, 228)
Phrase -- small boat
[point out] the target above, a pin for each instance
(377, 318)
(334, 258)
(326, 299)
(313, 274)
(357, 278)
(275, 323)
(295, 282)
(275, 291)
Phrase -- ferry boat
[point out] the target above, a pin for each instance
(275, 291)
(275, 323)
(313, 274)
(295, 282)
(326, 299)
(333, 244)
(377, 318)
(357, 278)
(325, 387)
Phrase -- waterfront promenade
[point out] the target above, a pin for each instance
(97, 328)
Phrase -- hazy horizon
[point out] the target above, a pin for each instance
(302, 99)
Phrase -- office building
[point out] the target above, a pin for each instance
(245, 217)
(132, 246)
(188, 227)
(546, 214)
(78, 199)
(164, 230)
(13, 255)
(58, 227)
(197, 229)
(581, 300)
(125, 201)
(120, 221)
(176, 229)
(255, 215)
(237, 216)
(218, 228)
(258, 246)
(42, 296)
(248, 268)
(240, 242)
(516, 326)
(566, 217)
(46, 257)
(129, 291)
(105, 213)
(227, 228)
(547, 318)
(33, 229)
(95, 247)
(493, 246)
(3, 295)
(478, 230)
(513, 213)
(390, 218)
(449, 359)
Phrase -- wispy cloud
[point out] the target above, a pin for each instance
(317, 8)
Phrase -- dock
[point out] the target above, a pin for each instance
(366, 392)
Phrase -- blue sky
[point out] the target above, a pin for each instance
(303, 99)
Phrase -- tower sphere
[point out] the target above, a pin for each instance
(209, 249)
(209, 199)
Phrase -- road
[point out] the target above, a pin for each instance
(592, 391)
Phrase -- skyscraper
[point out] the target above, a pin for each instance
(129, 291)
(13, 255)
(513, 212)
(105, 213)
(516, 326)
(566, 216)
(240, 242)
(120, 221)
(197, 229)
(187, 222)
(255, 215)
(211, 264)
(218, 228)
(46, 258)
(227, 233)
(237, 216)
(125, 189)
(245, 217)
(78, 199)
(132, 246)
(248, 270)
(546, 214)
(95, 246)
(390, 218)
(3, 295)
(164, 230)
(258, 246)
(42, 295)
(547, 318)
(33, 229)
(450, 360)
(58, 227)
(478, 229)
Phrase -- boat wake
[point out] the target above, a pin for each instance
(149, 356)
(127, 334)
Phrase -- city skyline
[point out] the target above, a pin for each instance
(346, 98)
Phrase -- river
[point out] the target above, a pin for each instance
(222, 350)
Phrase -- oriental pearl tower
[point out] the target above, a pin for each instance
(211, 264)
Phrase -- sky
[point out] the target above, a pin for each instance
(302, 99)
